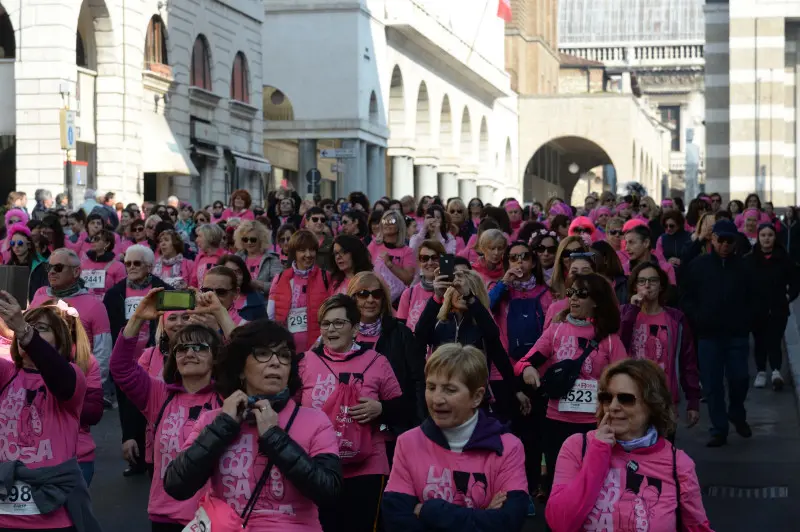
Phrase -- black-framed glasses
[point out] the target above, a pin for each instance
(423, 259)
(670, 226)
(265, 355)
(623, 398)
(549, 249)
(377, 294)
(249, 240)
(644, 281)
(328, 207)
(337, 324)
(221, 292)
(581, 230)
(184, 349)
(57, 268)
(580, 293)
(519, 257)
(614, 232)
(456, 211)
(133, 263)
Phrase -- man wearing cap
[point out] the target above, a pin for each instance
(719, 299)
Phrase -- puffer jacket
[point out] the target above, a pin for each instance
(318, 478)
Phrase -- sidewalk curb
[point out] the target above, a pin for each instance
(792, 338)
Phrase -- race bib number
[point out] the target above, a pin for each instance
(581, 398)
(131, 304)
(95, 279)
(298, 320)
(18, 501)
(200, 523)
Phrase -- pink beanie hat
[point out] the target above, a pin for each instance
(512, 204)
(19, 228)
(19, 213)
(583, 222)
(630, 224)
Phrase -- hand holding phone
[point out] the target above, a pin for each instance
(175, 300)
(447, 266)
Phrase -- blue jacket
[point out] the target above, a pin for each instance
(255, 307)
(525, 321)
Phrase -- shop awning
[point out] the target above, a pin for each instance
(250, 162)
(161, 153)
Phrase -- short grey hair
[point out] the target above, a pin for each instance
(72, 257)
(42, 194)
(89, 194)
(173, 199)
(144, 252)
(212, 233)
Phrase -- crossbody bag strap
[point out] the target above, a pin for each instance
(170, 397)
(591, 346)
(251, 502)
(678, 513)
(6, 385)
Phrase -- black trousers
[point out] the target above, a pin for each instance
(767, 338)
(556, 433)
(358, 508)
(133, 424)
(166, 527)
(530, 430)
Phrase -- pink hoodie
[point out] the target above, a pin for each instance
(552, 311)
(601, 491)
(180, 416)
(412, 303)
(280, 506)
(562, 341)
(379, 384)
(38, 430)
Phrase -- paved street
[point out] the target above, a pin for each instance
(748, 485)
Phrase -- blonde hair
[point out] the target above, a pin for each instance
(699, 227)
(476, 286)
(246, 226)
(489, 237)
(614, 222)
(361, 279)
(558, 279)
(464, 362)
(401, 226)
(654, 210)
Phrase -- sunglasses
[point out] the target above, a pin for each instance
(671, 226)
(624, 399)
(615, 232)
(377, 295)
(456, 211)
(150, 227)
(725, 239)
(317, 219)
(389, 221)
(519, 257)
(249, 240)
(57, 268)
(138, 229)
(221, 292)
(423, 259)
(580, 293)
(549, 249)
(581, 231)
(17, 243)
(194, 348)
(133, 263)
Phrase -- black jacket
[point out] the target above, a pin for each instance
(114, 302)
(398, 344)
(719, 295)
(775, 278)
(318, 478)
(673, 245)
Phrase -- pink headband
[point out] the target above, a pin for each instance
(706, 199)
(752, 213)
(512, 204)
(667, 203)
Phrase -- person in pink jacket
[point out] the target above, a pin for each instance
(172, 405)
(626, 476)
(99, 268)
(586, 330)
(461, 470)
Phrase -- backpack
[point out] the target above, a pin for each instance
(526, 326)
(355, 439)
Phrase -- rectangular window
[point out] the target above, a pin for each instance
(671, 116)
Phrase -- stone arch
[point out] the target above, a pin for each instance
(446, 142)
(466, 144)
(8, 44)
(483, 145)
(397, 104)
(276, 105)
(374, 109)
(553, 163)
(422, 125)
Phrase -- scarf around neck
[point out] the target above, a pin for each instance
(171, 262)
(577, 322)
(145, 284)
(69, 291)
(301, 273)
(523, 286)
(648, 440)
(370, 329)
(426, 285)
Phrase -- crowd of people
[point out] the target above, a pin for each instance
(399, 365)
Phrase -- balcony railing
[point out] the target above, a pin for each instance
(659, 55)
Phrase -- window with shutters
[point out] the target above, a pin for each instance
(239, 82)
(200, 75)
(155, 44)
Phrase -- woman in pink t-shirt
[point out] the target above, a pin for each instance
(259, 424)
(209, 242)
(239, 206)
(42, 392)
(461, 470)
(170, 265)
(434, 227)
(380, 404)
(350, 257)
(626, 473)
(492, 245)
(587, 327)
(416, 296)
(392, 258)
(252, 242)
(99, 268)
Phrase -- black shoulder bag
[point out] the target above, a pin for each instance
(559, 379)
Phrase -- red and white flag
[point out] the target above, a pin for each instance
(504, 10)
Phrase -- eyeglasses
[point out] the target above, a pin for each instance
(644, 281)
(581, 230)
(265, 355)
(328, 207)
(670, 226)
(317, 219)
(624, 399)
(249, 240)
(519, 257)
(221, 292)
(338, 325)
(548, 249)
(428, 258)
(456, 211)
(580, 293)
(138, 229)
(57, 268)
(377, 295)
(17, 243)
(389, 221)
(182, 350)
(614, 232)
(133, 263)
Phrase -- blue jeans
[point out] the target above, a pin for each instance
(87, 468)
(724, 357)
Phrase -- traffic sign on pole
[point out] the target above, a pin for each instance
(313, 178)
(68, 129)
(338, 153)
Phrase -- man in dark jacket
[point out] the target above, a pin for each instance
(719, 298)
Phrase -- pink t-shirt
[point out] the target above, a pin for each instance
(38, 430)
(379, 384)
(401, 256)
(342, 287)
(626, 498)
(112, 272)
(86, 445)
(202, 264)
(553, 310)
(92, 312)
(254, 265)
(427, 471)
(178, 275)
(560, 342)
(412, 303)
(280, 505)
(245, 214)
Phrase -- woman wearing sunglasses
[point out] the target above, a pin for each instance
(628, 454)
(350, 257)
(99, 268)
(435, 227)
(222, 282)
(281, 246)
(388, 336)
(586, 330)
(23, 253)
(650, 330)
(338, 367)
(580, 263)
(317, 222)
(583, 226)
(461, 226)
(675, 239)
(416, 296)
(568, 246)
(252, 242)
(250, 304)
(545, 243)
(43, 389)
(94, 224)
(172, 405)
(392, 258)
(261, 426)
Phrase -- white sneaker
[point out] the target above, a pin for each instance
(777, 379)
(761, 379)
